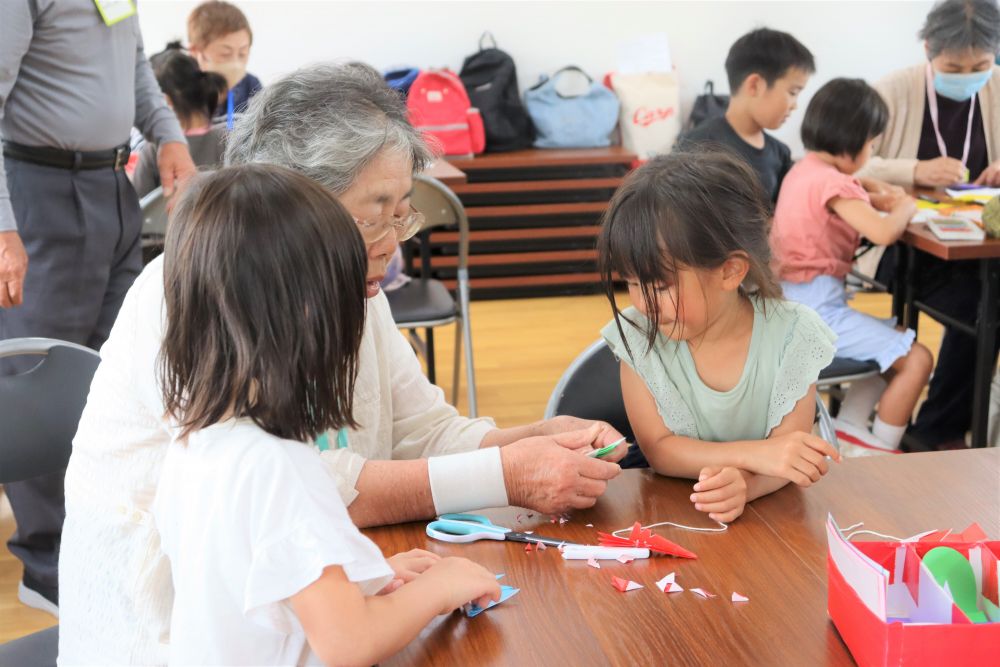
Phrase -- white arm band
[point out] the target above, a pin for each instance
(468, 481)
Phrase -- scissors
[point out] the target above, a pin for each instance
(462, 528)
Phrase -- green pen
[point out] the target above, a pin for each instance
(604, 451)
(323, 442)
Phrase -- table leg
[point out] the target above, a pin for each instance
(899, 286)
(986, 331)
(911, 314)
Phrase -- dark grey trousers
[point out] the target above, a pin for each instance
(81, 231)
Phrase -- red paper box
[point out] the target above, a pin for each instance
(874, 641)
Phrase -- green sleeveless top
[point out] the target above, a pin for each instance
(789, 346)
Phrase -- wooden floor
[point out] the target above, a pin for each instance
(521, 349)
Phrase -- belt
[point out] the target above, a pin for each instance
(116, 158)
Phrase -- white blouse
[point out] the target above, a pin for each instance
(115, 594)
(248, 520)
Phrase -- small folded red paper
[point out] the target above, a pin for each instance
(640, 537)
(623, 584)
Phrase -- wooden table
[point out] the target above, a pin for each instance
(568, 613)
(447, 173)
(918, 239)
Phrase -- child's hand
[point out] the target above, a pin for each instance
(407, 566)
(906, 208)
(798, 457)
(887, 197)
(722, 492)
(458, 581)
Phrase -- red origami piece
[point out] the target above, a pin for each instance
(625, 585)
(640, 537)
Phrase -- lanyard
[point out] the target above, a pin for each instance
(932, 104)
(229, 110)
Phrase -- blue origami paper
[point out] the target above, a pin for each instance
(506, 592)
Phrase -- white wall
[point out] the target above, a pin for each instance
(848, 38)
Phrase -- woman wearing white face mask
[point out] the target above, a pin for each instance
(944, 114)
(944, 127)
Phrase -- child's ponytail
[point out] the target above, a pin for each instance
(193, 93)
(213, 88)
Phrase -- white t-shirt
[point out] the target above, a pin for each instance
(114, 582)
(248, 520)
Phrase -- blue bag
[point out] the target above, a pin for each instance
(578, 121)
(401, 79)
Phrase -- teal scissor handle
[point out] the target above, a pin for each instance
(462, 528)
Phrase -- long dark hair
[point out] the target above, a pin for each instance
(691, 210)
(191, 91)
(264, 283)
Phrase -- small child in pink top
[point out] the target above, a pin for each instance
(821, 215)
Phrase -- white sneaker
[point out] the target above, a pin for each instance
(36, 600)
(855, 441)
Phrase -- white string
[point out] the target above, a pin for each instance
(867, 532)
(676, 525)
(872, 532)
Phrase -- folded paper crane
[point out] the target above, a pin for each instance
(641, 537)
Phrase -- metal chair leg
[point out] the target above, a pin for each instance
(431, 371)
(456, 375)
(470, 370)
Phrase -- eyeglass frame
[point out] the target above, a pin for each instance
(404, 228)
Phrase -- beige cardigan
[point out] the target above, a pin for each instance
(895, 154)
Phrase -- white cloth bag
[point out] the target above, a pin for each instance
(650, 117)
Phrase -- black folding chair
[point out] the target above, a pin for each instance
(40, 410)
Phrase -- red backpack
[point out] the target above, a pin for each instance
(439, 107)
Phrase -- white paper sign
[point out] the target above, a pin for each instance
(645, 53)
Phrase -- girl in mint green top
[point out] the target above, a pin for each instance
(718, 372)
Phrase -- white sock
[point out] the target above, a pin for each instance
(860, 400)
(887, 433)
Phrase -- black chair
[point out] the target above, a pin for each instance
(38, 649)
(425, 303)
(832, 379)
(591, 389)
(40, 410)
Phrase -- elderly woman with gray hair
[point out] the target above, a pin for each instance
(412, 456)
(944, 121)
(944, 114)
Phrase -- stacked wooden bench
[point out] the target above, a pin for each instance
(533, 220)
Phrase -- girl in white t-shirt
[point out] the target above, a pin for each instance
(264, 280)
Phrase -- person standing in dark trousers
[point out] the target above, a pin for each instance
(73, 81)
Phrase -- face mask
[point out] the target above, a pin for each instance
(960, 87)
(232, 70)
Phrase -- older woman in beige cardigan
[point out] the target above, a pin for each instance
(961, 39)
(944, 120)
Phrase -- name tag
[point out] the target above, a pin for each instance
(113, 11)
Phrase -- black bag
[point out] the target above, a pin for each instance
(491, 81)
(707, 106)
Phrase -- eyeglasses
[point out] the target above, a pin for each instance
(404, 227)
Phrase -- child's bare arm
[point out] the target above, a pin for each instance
(866, 220)
(344, 627)
(669, 454)
(791, 452)
(800, 419)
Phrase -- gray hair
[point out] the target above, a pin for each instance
(959, 25)
(327, 121)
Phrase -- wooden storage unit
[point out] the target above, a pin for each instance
(533, 220)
